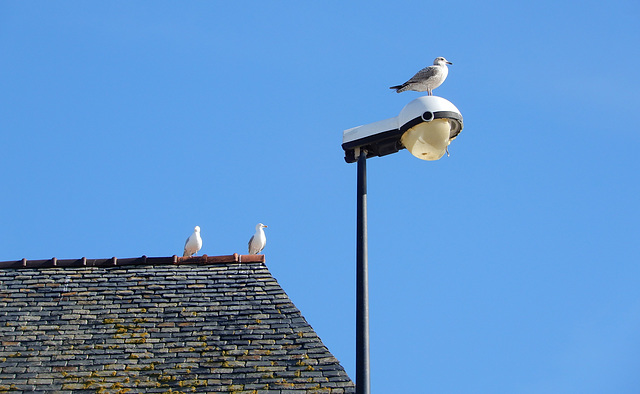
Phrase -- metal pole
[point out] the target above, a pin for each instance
(362, 282)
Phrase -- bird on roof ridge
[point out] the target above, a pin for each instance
(258, 240)
(426, 79)
(193, 243)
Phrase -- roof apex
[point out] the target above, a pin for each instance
(143, 260)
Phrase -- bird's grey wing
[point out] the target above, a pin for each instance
(185, 246)
(249, 244)
(423, 74)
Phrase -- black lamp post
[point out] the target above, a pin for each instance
(362, 281)
(426, 126)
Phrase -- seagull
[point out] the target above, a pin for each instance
(426, 79)
(193, 244)
(258, 240)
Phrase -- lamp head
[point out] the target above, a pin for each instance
(425, 126)
(429, 124)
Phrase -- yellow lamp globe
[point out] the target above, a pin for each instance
(428, 140)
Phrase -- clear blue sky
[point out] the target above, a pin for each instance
(510, 267)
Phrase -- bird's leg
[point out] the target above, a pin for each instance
(447, 150)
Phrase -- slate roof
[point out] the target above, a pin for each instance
(169, 324)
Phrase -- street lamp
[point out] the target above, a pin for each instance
(426, 126)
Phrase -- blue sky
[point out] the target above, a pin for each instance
(510, 267)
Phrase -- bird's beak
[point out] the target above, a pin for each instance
(266, 226)
(450, 63)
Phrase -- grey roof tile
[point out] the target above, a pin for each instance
(207, 324)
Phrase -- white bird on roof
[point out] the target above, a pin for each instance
(258, 240)
(193, 244)
(426, 79)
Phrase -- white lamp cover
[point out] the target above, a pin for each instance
(428, 140)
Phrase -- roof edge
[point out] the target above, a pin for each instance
(143, 260)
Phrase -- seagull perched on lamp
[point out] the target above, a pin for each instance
(258, 240)
(426, 79)
(193, 244)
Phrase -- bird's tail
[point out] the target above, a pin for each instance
(399, 88)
